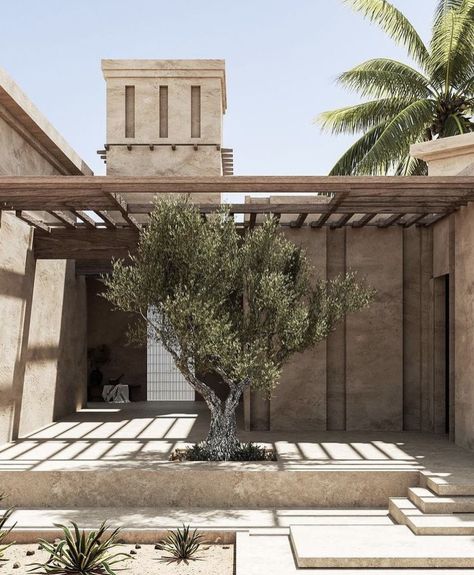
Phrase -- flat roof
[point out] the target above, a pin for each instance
(19, 108)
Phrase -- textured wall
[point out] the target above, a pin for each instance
(42, 335)
(464, 327)
(375, 371)
(299, 402)
(55, 373)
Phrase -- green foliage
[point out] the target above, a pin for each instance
(225, 304)
(432, 99)
(81, 554)
(236, 306)
(182, 544)
(243, 452)
(4, 533)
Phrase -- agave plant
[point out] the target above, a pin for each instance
(81, 554)
(182, 544)
(406, 104)
(5, 532)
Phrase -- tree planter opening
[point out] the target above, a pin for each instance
(243, 452)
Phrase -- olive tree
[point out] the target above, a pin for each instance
(235, 305)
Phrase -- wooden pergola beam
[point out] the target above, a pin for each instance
(364, 220)
(32, 221)
(85, 218)
(414, 220)
(108, 219)
(64, 218)
(393, 219)
(123, 209)
(299, 220)
(342, 221)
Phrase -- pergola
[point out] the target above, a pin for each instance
(94, 218)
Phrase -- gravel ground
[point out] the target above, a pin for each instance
(211, 560)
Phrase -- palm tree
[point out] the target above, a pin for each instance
(433, 99)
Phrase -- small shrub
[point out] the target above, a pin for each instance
(5, 532)
(182, 544)
(243, 452)
(81, 554)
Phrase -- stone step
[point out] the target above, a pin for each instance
(430, 502)
(370, 547)
(272, 553)
(454, 484)
(406, 513)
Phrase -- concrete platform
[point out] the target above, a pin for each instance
(265, 553)
(429, 502)
(405, 512)
(151, 523)
(117, 456)
(390, 546)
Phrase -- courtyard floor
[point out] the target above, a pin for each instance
(142, 436)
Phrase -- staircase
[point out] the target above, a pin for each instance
(438, 507)
(431, 530)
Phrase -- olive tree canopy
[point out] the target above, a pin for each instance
(233, 305)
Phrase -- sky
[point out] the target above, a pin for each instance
(282, 58)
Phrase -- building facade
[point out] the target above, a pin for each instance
(404, 364)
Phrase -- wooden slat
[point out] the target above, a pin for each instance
(108, 219)
(414, 219)
(333, 204)
(123, 208)
(65, 218)
(90, 223)
(299, 221)
(393, 219)
(361, 222)
(342, 221)
(32, 221)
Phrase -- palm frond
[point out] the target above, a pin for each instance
(395, 24)
(410, 166)
(452, 60)
(348, 163)
(382, 77)
(364, 116)
(394, 142)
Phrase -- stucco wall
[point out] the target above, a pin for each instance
(464, 327)
(42, 304)
(55, 371)
(375, 370)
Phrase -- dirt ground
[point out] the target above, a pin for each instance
(210, 560)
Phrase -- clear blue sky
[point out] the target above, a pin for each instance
(281, 56)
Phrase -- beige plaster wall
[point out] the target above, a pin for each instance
(42, 305)
(18, 157)
(464, 327)
(374, 338)
(375, 371)
(17, 269)
(55, 371)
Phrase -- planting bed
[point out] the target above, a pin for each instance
(210, 560)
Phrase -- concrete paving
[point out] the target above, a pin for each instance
(368, 546)
(265, 553)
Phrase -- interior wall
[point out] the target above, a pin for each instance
(107, 326)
